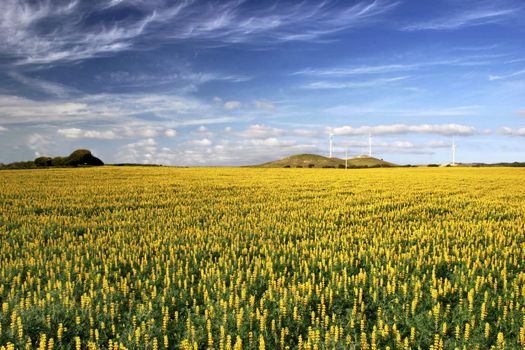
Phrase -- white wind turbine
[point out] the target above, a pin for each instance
(453, 151)
(331, 143)
(370, 143)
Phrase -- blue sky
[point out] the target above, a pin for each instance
(242, 82)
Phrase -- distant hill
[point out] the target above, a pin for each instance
(80, 157)
(317, 161)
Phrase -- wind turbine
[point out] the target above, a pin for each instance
(453, 151)
(331, 143)
(370, 143)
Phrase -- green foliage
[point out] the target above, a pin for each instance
(59, 161)
(80, 157)
(20, 165)
(43, 161)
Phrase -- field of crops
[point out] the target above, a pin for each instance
(154, 258)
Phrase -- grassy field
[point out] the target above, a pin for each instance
(244, 258)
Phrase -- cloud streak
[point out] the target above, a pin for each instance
(468, 17)
(52, 32)
(352, 70)
(326, 85)
(47, 87)
(101, 107)
(507, 76)
(400, 129)
(512, 132)
(459, 111)
(75, 133)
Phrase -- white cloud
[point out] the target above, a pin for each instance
(48, 87)
(467, 17)
(402, 144)
(2, 129)
(272, 141)
(170, 133)
(361, 70)
(39, 144)
(175, 75)
(203, 131)
(15, 109)
(512, 132)
(105, 107)
(458, 111)
(28, 37)
(258, 131)
(202, 142)
(379, 146)
(416, 64)
(279, 22)
(145, 132)
(143, 151)
(506, 76)
(438, 144)
(137, 130)
(50, 32)
(351, 84)
(230, 105)
(393, 129)
(75, 133)
(265, 106)
(305, 133)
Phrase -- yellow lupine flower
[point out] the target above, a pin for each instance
(198, 254)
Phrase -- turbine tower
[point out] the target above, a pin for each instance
(346, 158)
(370, 143)
(453, 151)
(331, 143)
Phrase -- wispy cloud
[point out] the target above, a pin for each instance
(264, 106)
(323, 85)
(39, 144)
(142, 80)
(468, 16)
(512, 132)
(356, 70)
(43, 32)
(506, 76)
(230, 105)
(457, 111)
(2, 129)
(142, 151)
(398, 129)
(49, 32)
(101, 107)
(75, 133)
(47, 87)
(416, 63)
(258, 131)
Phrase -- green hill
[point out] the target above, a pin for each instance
(317, 161)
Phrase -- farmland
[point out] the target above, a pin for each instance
(233, 258)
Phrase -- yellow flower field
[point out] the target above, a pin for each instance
(242, 258)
